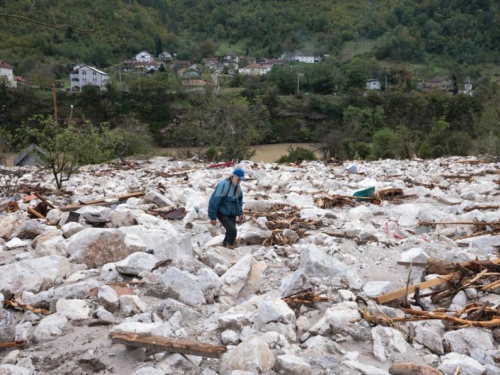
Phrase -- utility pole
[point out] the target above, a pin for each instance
(120, 75)
(54, 96)
(298, 82)
(139, 82)
(71, 114)
(386, 82)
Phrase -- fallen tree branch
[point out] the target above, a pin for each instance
(12, 344)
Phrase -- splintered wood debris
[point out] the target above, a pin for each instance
(158, 344)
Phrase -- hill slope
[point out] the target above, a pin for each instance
(465, 31)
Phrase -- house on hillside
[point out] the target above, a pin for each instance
(255, 69)
(193, 85)
(144, 56)
(299, 57)
(373, 84)
(467, 88)
(22, 82)
(165, 56)
(84, 75)
(210, 61)
(231, 57)
(445, 84)
(271, 62)
(7, 74)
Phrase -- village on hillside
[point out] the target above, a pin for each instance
(193, 76)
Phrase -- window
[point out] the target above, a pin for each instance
(84, 73)
(94, 73)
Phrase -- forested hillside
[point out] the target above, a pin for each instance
(463, 31)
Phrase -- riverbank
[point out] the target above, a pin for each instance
(263, 153)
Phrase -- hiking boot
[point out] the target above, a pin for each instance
(230, 247)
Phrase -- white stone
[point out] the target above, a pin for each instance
(210, 283)
(15, 243)
(122, 218)
(251, 355)
(131, 305)
(272, 310)
(336, 319)
(293, 365)
(294, 283)
(464, 340)
(415, 255)
(71, 228)
(9, 225)
(230, 337)
(365, 369)
(236, 277)
(157, 198)
(108, 298)
(250, 234)
(14, 370)
(7, 328)
(73, 309)
(54, 216)
(183, 286)
(430, 339)
(317, 263)
(451, 361)
(95, 214)
(386, 340)
(376, 288)
(136, 263)
(96, 247)
(49, 327)
(29, 275)
(346, 295)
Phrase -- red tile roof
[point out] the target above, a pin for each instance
(4, 65)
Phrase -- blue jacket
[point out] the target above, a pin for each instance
(226, 199)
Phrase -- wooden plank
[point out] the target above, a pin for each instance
(44, 200)
(102, 201)
(161, 344)
(411, 289)
(391, 296)
(12, 344)
(36, 213)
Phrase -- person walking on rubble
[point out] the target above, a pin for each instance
(226, 203)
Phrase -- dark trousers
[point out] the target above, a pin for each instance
(229, 223)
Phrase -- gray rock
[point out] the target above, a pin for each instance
(49, 327)
(73, 309)
(317, 263)
(464, 340)
(365, 369)
(95, 214)
(236, 277)
(459, 302)
(210, 283)
(429, 339)
(222, 255)
(108, 298)
(482, 357)
(24, 331)
(273, 310)
(160, 200)
(293, 365)
(469, 366)
(13, 370)
(294, 283)
(54, 216)
(148, 370)
(376, 288)
(96, 247)
(11, 358)
(230, 337)
(492, 370)
(7, 328)
(183, 286)
(131, 305)
(122, 218)
(415, 255)
(31, 229)
(169, 307)
(71, 228)
(31, 274)
(250, 234)
(252, 355)
(291, 235)
(136, 263)
(387, 340)
(10, 226)
(336, 319)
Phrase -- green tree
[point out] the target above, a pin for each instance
(384, 143)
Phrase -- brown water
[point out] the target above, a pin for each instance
(265, 153)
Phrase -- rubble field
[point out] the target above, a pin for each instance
(122, 273)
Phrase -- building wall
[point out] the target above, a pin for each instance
(87, 76)
(144, 57)
(9, 74)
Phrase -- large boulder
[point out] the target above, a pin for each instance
(222, 255)
(252, 355)
(136, 263)
(31, 229)
(250, 234)
(73, 309)
(273, 310)
(244, 278)
(160, 200)
(317, 263)
(292, 365)
(49, 327)
(165, 244)
(386, 340)
(452, 361)
(336, 319)
(14, 370)
(294, 283)
(183, 286)
(29, 275)
(376, 288)
(96, 247)
(430, 339)
(95, 214)
(10, 226)
(464, 340)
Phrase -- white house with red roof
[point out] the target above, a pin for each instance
(84, 75)
(7, 74)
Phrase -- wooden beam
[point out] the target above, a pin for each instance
(36, 213)
(12, 344)
(411, 289)
(102, 201)
(44, 200)
(160, 344)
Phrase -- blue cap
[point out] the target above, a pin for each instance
(239, 173)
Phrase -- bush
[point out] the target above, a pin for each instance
(459, 143)
(297, 155)
(384, 142)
